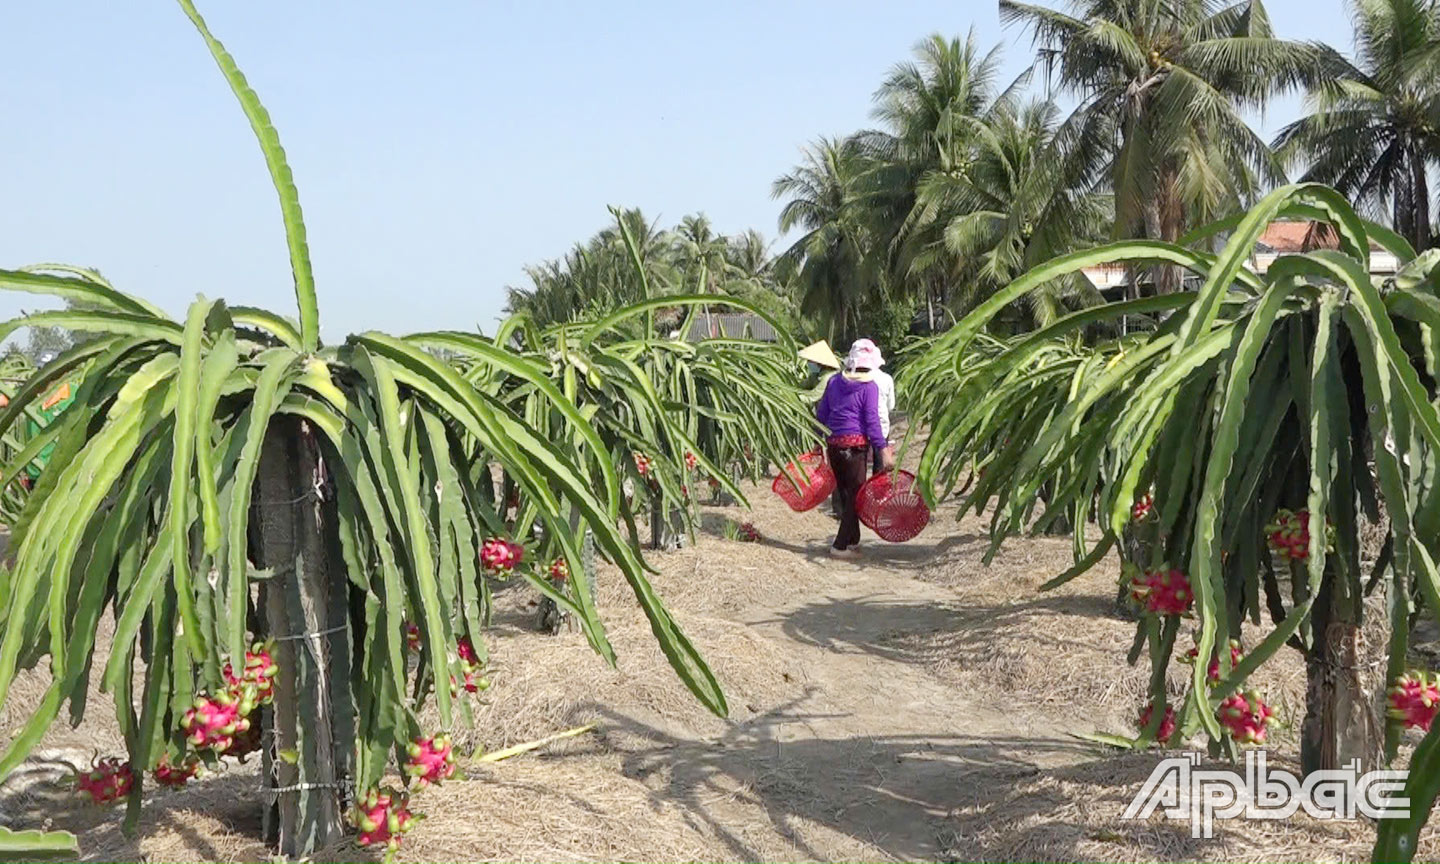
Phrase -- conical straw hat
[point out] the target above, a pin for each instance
(820, 354)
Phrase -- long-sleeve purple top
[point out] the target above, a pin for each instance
(852, 408)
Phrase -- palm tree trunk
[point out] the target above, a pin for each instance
(1170, 216)
(1420, 195)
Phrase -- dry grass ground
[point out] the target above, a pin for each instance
(914, 706)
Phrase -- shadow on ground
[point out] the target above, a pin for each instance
(922, 633)
(914, 797)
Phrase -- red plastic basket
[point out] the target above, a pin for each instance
(889, 505)
(819, 487)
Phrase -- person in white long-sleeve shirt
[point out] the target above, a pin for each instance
(887, 404)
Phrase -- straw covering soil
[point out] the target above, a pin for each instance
(914, 705)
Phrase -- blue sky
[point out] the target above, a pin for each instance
(438, 147)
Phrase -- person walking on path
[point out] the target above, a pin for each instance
(850, 410)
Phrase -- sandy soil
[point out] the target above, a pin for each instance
(915, 705)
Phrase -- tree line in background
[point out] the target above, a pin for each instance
(967, 181)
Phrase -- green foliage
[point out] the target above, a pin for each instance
(609, 272)
(1251, 395)
(1372, 131)
(38, 842)
(146, 508)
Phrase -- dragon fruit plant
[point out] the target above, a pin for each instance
(1240, 405)
(226, 476)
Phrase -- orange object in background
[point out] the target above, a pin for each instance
(60, 395)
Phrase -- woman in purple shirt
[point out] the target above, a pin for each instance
(850, 409)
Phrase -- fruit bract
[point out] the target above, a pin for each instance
(431, 760)
(691, 460)
(1142, 507)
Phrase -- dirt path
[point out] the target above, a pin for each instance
(911, 706)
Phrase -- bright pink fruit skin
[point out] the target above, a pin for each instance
(1213, 672)
(691, 460)
(559, 570)
(109, 780)
(383, 817)
(431, 760)
(214, 721)
(176, 775)
(498, 555)
(642, 464)
(412, 636)
(1141, 509)
(257, 680)
(1414, 700)
(1164, 592)
(1167, 723)
(748, 533)
(472, 669)
(1245, 716)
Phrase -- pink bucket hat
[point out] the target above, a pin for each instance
(864, 354)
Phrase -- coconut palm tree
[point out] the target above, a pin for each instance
(1373, 130)
(1162, 89)
(980, 226)
(834, 270)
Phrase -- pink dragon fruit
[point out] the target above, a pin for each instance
(383, 817)
(471, 669)
(1163, 592)
(1245, 716)
(691, 460)
(1213, 672)
(643, 465)
(431, 760)
(255, 683)
(1167, 723)
(559, 571)
(1142, 507)
(1414, 699)
(499, 555)
(109, 780)
(214, 720)
(412, 636)
(1290, 534)
(178, 774)
(748, 533)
